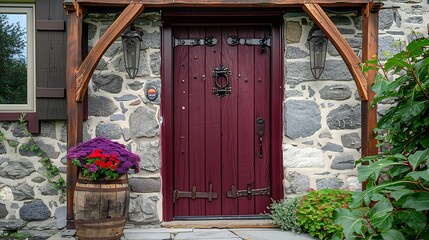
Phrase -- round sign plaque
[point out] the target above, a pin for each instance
(151, 93)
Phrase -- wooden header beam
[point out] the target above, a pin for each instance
(225, 3)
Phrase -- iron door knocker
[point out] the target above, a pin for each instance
(221, 81)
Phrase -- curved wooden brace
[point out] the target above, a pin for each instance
(316, 13)
(86, 69)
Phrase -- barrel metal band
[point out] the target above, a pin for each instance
(81, 188)
(114, 181)
(104, 220)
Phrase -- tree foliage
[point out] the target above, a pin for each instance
(13, 66)
(395, 204)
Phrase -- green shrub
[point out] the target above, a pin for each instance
(314, 214)
(283, 213)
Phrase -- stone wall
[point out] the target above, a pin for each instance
(321, 120)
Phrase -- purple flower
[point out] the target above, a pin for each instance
(92, 168)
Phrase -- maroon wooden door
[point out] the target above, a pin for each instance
(221, 131)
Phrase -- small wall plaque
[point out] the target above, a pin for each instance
(151, 93)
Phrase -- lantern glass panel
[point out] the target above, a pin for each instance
(131, 40)
(318, 44)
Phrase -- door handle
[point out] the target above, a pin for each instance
(260, 131)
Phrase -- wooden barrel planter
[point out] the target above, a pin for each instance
(101, 208)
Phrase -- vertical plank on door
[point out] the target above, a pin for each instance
(246, 127)
(262, 109)
(181, 151)
(229, 126)
(213, 125)
(196, 121)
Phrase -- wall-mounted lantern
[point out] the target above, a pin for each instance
(131, 39)
(318, 44)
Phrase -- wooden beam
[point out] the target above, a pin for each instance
(224, 3)
(86, 69)
(74, 109)
(369, 50)
(316, 13)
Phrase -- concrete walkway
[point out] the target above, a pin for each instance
(204, 234)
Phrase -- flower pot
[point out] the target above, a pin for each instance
(101, 207)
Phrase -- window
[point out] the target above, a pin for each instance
(17, 58)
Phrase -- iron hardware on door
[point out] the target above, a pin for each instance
(260, 130)
(234, 41)
(249, 192)
(221, 81)
(194, 194)
(209, 41)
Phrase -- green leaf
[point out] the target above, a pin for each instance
(416, 175)
(374, 169)
(359, 197)
(400, 193)
(392, 234)
(418, 201)
(414, 219)
(380, 209)
(380, 86)
(418, 157)
(351, 221)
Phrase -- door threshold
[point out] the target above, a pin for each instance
(224, 223)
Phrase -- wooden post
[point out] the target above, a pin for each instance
(74, 108)
(369, 50)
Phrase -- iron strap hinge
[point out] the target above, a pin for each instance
(209, 41)
(249, 192)
(234, 40)
(210, 195)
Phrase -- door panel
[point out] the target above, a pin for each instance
(216, 146)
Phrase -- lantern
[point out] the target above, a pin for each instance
(318, 44)
(131, 39)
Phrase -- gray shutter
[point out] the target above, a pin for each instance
(51, 53)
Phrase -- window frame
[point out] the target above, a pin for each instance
(29, 10)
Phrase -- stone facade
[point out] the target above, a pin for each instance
(321, 120)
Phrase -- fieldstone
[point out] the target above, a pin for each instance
(110, 83)
(149, 153)
(341, 20)
(413, 36)
(355, 42)
(155, 62)
(343, 162)
(108, 130)
(155, 83)
(400, 33)
(92, 29)
(63, 132)
(346, 31)
(117, 117)
(417, 10)
(22, 192)
(6, 194)
(302, 118)
(102, 65)
(48, 149)
(329, 183)
(60, 215)
(126, 134)
(295, 53)
(123, 108)
(386, 45)
(415, 20)
(353, 184)
(127, 97)
(136, 85)
(62, 147)
(335, 92)
(385, 19)
(17, 169)
(150, 128)
(325, 134)
(299, 71)
(297, 183)
(6, 125)
(311, 92)
(332, 147)
(113, 50)
(345, 117)
(351, 140)
(47, 129)
(38, 179)
(19, 130)
(332, 51)
(357, 21)
(14, 206)
(2, 148)
(11, 224)
(48, 189)
(308, 157)
(42, 225)
(3, 210)
(35, 210)
(293, 93)
(143, 211)
(151, 40)
(293, 32)
(145, 185)
(100, 106)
